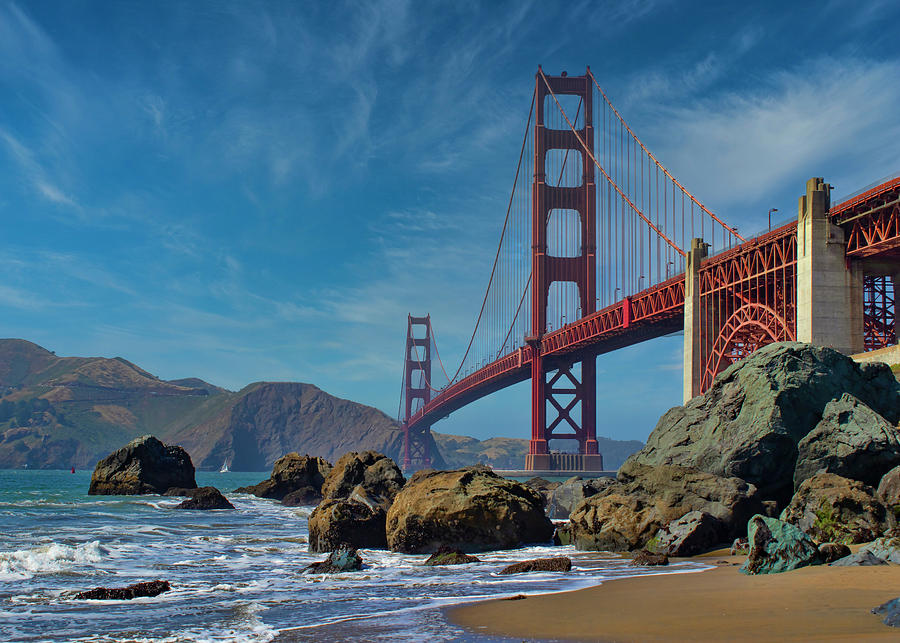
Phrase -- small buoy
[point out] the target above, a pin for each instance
(73, 469)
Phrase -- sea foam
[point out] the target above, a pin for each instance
(22, 564)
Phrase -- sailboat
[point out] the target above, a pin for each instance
(225, 468)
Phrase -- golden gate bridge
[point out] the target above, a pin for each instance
(602, 247)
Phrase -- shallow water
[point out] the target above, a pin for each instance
(236, 575)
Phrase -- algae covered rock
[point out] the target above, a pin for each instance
(472, 509)
(646, 558)
(291, 473)
(144, 465)
(625, 516)
(777, 546)
(342, 559)
(889, 489)
(832, 508)
(558, 564)
(852, 441)
(449, 556)
(886, 548)
(750, 421)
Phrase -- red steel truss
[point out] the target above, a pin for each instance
(878, 309)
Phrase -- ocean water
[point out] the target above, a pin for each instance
(236, 575)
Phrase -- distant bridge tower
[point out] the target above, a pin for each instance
(416, 392)
(557, 385)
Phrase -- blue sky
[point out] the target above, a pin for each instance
(262, 191)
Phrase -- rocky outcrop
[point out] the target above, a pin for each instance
(777, 546)
(471, 509)
(889, 488)
(206, 498)
(375, 472)
(749, 423)
(627, 515)
(692, 534)
(138, 590)
(851, 440)
(449, 556)
(300, 476)
(558, 564)
(342, 559)
(831, 508)
(144, 465)
(357, 494)
(571, 493)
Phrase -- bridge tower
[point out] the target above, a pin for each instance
(557, 385)
(416, 387)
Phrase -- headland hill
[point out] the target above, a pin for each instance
(61, 412)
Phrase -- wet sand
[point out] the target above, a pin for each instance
(810, 604)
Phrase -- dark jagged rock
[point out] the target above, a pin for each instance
(559, 564)
(564, 498)
(181, 491)
(834, 509)
(541, 484)
(138, 590)
(206, 498)
(890, 612)
(292, 472)
(625, 516)
(859, 559)
(750, 421)
(448, 556)
(357, 494)
(644, 558)
(777, 546)
(144, 465)
(342, 559)
(472, 509)
(852, 441)
(830, 552)
(693, 533)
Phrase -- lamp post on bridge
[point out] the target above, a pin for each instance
(771, 210)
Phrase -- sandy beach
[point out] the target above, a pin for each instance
(809, 604)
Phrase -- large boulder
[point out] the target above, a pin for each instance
(831, 508)
(375, 472)
(889, 489)
(295, 475)
(471, 509)
(571, 493)
(558, 564)
(627, 515)
(144, 465)
(357, 521)
(777, 546)
(692, 534)
(850, 440)
(357, 494)
(749, 422)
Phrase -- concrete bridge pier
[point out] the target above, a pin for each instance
(829, 285)
(692, 316)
